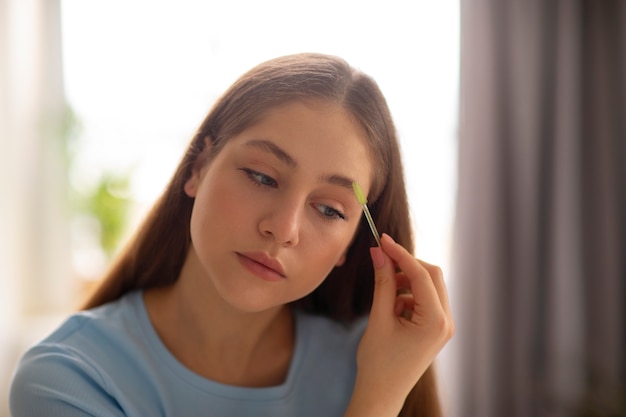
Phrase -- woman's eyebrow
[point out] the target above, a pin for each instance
(339, 180)
(271, 147)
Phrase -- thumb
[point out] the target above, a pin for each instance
(384, 283)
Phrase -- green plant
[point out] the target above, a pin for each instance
(109, 203)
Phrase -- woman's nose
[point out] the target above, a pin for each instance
(283, 222)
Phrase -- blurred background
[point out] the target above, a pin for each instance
(512, 122)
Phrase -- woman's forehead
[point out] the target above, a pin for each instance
(320, 134)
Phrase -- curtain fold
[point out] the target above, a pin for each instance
(540, 233)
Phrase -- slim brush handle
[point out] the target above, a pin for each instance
(370, 221)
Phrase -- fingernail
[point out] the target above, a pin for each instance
(378, 259)
(386, 236)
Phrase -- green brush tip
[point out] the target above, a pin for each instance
(359, 193)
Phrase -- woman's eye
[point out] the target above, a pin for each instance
(329, 213)
(260, 179)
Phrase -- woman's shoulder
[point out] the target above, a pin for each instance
(90, 336)
(80, 352)
(92, 327)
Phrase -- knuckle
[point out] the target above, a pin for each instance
(382, 280)
(442, 326)
(449, 329)
(440, 323)
(433, 270)
(436, 272)
(420, 318)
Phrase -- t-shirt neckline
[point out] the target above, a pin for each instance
(180, 371)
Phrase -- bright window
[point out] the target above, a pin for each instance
(141, 75)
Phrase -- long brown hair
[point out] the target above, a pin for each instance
(155, 255)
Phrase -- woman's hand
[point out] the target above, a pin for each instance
(409, 324)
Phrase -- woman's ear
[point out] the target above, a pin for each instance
(342, 260)
(192, 184)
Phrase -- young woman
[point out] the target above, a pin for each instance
(252, 288)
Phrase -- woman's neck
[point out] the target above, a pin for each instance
(219, 342)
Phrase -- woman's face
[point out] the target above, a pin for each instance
(274, 211)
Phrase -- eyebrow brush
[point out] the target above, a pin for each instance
(363, 202)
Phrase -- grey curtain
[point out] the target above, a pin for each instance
(539, 257)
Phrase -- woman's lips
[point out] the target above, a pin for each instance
(262, 265)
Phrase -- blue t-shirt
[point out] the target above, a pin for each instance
(109, 361)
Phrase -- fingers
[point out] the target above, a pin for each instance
(425, 294)
(417, 293)
(384, 283)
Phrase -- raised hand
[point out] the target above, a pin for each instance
(409, 324)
